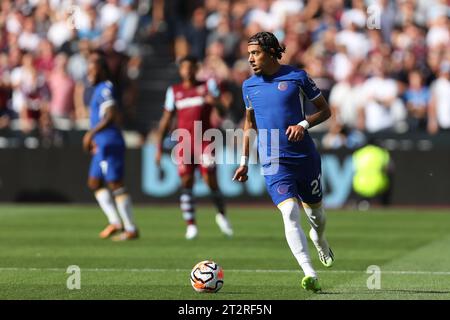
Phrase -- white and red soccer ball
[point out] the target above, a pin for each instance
(207, 276)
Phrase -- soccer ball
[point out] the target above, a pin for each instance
(207, 276)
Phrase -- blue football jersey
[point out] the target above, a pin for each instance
(278, 102)
(103, 98)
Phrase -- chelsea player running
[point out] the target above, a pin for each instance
(274, 100)
(107, 146)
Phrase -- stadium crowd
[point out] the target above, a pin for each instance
(43, 60)
(383, 65)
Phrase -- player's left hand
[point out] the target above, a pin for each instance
(87, 141)
(295, 133)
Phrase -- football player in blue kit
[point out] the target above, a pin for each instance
(105, 142)
(274, 99)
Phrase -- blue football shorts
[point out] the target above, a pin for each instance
(108, 163)
(299, 179)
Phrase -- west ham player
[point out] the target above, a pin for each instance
(192, 102)
(274, 98)
(106, 144)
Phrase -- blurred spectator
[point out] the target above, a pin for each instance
(5, 92)
(128, 22)
(387, 18)
(214, 65)
(382, 109)
(263, 15)
(346, 97)
(231, 97)
(42, 18)
(77, 64)
(417, 97)
(60, 32)
(62, 86)
(343, 137)
(196, 34)
(44, 61)
(77, 68)
(439, 111)
(224, 34)
(87, 23)
(109, 13)
(32, 94)
(356, 43)
(438, 33)
(28, 38)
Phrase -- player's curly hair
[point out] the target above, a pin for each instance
(104, 67)
(269, 43)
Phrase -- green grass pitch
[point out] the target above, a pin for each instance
(39, 242)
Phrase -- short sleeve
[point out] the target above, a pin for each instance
(169, 103)
(213, 88)
(246, 98)
(309, 87)
(106, 100)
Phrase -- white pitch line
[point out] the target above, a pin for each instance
(146, 270)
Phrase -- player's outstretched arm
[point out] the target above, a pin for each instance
(323, 113)
(163, 127)
(296, 132)
(249, 124)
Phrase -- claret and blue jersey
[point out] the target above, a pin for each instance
(291, 169)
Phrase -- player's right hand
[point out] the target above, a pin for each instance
(241, 174)
(87, 141)
(295, 133)
(158, 158)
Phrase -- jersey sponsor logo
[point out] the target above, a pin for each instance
(190, 102)
(282, 86)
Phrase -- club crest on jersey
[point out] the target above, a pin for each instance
(282, 189)
(179, 95)
(201, 90)
(282, 86)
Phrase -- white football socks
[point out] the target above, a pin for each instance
(295, 236)
(106, 202)
(187, 206)
(123, 203)
(317, 220)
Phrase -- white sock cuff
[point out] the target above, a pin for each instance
(106, 202)
(119, 192)
(315, 213)
(100, 192)
(188, 216)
